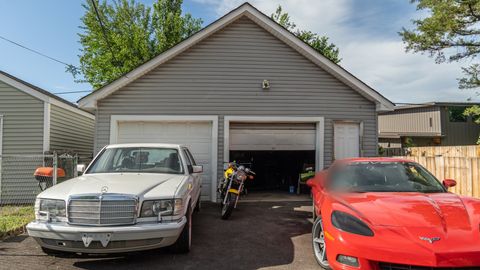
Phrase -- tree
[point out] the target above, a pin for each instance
(319, 43)
(127, 35)
(449, 33)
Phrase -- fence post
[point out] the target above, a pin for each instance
(55, 167)
(75, 163)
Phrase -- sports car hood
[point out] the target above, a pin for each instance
(439, 210)
(139, 184)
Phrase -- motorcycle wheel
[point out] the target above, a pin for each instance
(227, 208)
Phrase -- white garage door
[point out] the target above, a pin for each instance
(346, 140)
(197, 136)
(274, 136)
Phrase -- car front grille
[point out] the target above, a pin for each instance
(102, 209)
(390, 266)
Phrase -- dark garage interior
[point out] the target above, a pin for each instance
(276, 170)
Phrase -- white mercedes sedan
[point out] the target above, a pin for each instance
(131, 197)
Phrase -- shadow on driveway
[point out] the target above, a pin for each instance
(258, 235)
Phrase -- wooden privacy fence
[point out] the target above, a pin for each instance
(465, 170)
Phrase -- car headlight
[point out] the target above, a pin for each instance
(348, 223)
(50, 210)
(170, 207)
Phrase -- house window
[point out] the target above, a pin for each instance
(455, 114)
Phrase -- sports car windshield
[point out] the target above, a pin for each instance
(383, 177)
(137, 159)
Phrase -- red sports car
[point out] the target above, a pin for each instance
(391, 214)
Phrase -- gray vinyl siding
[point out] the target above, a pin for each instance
(411, 122)
(22, 135)
(71, 132)
(22, 121)
(222, 75)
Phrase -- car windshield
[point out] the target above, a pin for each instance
(383, 177)
(137, 159)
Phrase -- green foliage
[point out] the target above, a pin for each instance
(13, 218)
(133, 34)
(319, 43)
(408, 142)
(450, 32)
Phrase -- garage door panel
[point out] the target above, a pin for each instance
(197, 136)
(272, 139)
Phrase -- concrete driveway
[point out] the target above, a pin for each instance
(259, 235)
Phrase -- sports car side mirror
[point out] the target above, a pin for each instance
(448, 183)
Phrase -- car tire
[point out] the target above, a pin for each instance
(184, 241)
(318, 244)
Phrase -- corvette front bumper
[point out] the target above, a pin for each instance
(390, 249)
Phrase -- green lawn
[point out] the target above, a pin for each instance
(13, 218)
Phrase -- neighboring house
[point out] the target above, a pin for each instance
(34, 122)
(427, 124)
(245, 89)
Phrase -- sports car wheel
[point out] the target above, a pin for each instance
(318, 241)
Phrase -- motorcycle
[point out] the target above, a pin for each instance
(233, 186)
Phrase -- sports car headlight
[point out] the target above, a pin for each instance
(170, 207)
(348, 223)
(50, 210)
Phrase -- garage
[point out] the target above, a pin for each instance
(250, 88)
(196, 134)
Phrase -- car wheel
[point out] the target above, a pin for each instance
(318, 242)
(184, 241)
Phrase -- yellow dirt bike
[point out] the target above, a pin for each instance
(231, 188)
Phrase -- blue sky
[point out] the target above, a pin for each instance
(364, 30)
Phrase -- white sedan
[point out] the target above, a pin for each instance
(132, 197)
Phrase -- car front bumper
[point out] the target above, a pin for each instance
(390, 249)
(141, 236)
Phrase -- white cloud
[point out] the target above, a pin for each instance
(379, 60)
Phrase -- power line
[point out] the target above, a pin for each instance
(104, 31)
(72, 92)
(37, 52)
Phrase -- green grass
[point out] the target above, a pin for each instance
(14, 218)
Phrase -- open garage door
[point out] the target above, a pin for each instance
(277, 152)
(197, 136)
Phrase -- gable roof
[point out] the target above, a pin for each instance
(41, 94)
(89, 102)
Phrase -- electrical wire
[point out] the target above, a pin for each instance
(104, 31)
(37, 52)
(72, 92)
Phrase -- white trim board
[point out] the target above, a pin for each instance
(45, 98)
(46, 126)
(319, 134)
(89, 102)
(115, 119)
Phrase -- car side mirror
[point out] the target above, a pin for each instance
(448, 183)
(81, 169)
(197, 169)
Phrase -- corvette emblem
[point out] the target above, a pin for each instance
(431, 240)
(104, 189)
